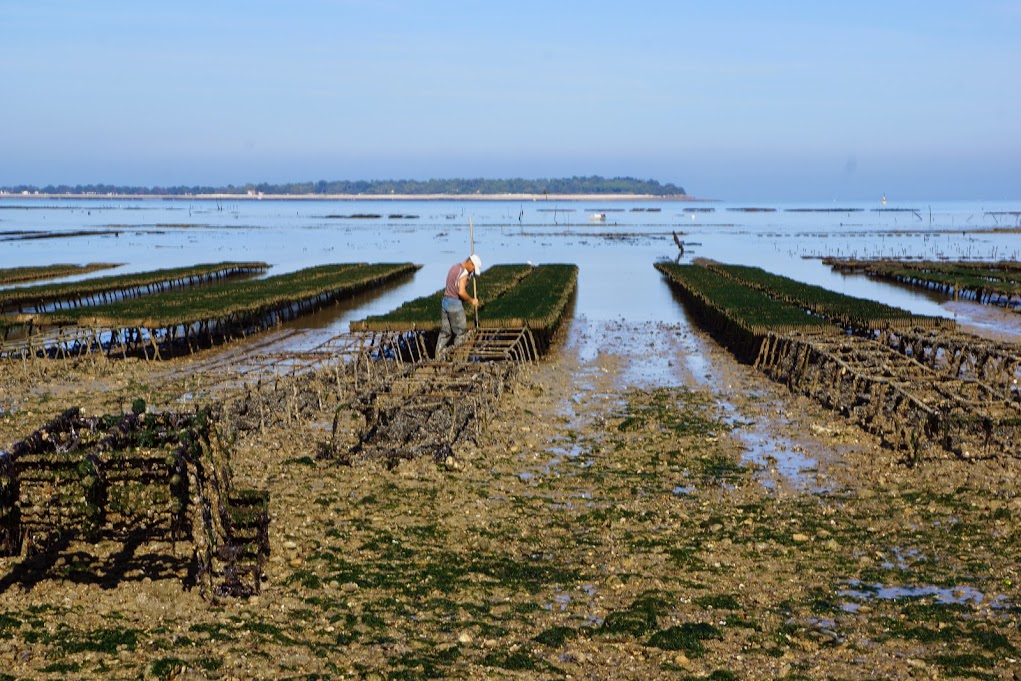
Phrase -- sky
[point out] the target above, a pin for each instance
(795, 100)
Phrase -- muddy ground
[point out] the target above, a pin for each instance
(633, 511)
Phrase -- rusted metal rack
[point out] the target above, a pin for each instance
(909, 405)
(995, 364)
(361, 357)
(425, 407)
(131, 478)
(502, 345)
(428, 410)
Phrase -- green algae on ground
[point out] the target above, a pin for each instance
(679, 411)
(718, 602)
(69, 641)
(689, 637)
(557, 637)
(516, 661)
(639, 619)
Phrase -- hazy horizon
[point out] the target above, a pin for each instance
(737, 100)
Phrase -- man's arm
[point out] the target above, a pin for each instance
(462, 291)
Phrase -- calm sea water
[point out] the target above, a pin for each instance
(615, 254)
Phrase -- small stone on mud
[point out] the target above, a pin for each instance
(464, 638)
(349, 587)
(800, 538)
(681, 660)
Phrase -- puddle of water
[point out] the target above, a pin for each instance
(582, 341)
(698, 365)
(780, 455)
(647, 354)
(903, 559)
(571, 452)
(562, 600)
(658, 364)
(769, 453)
(957, 595)
(560, 454)
(822, 622)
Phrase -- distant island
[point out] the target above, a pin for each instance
(575, 186)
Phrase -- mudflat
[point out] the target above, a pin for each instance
(695, 521)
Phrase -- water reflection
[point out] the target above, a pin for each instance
(957, 595)
(615, 256)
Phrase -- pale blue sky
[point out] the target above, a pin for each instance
(736, 100)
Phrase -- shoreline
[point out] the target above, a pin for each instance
(364, 197)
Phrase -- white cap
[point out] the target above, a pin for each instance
(477, 261)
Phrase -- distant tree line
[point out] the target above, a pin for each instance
(568, 185)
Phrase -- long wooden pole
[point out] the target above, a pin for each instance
(475, 287)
